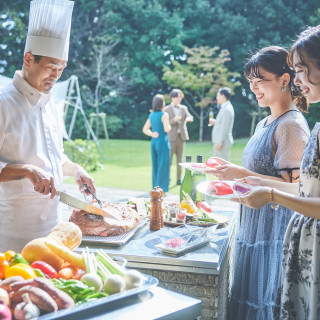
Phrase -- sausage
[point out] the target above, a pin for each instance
(62, 299)
(38, 296)
(6, 284)
(19, 284)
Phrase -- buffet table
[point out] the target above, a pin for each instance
(194, 274)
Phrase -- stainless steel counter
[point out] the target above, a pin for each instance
(141, 252)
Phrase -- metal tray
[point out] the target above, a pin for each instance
(114, 241)
(75, 312)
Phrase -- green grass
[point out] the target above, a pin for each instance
(128, 163)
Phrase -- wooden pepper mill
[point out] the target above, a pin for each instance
(156, 218)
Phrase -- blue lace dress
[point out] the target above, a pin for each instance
(299, 293)
(259, 236)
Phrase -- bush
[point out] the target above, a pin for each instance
(83, 152)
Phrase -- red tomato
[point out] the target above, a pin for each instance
(204, 205)
(45, 268)
(212, 162)
(210, 188)
(222, 188)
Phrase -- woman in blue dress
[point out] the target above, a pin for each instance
(274, 152)
(299, 286)
(158, 121)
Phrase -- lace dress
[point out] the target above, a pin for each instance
(259, 236)
(299, 293)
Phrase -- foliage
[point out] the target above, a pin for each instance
(83, 152)
(151, 34)
(201, 77)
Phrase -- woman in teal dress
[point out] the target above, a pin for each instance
(158, 120)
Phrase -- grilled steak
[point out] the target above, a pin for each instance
(94, 225)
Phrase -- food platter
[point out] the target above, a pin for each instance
(203, 187)
(115, 240)
(75, 312)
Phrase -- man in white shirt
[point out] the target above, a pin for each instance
(32, 163)
(222, 131)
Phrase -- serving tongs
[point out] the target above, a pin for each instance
(93, 194)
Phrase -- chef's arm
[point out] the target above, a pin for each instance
(81, 176)
(42, 181)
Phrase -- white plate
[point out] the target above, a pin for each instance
(203, 186)
(195, 166)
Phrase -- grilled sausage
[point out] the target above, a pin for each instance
(38, 296)
(6, 284)
(62, 299)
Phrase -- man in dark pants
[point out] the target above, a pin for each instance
(178, 117)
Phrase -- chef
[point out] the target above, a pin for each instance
(32, 163)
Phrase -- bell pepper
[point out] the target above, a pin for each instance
(20, 269)
(212, 162)
(4, 265)
(45, 268)
(39, 273)
(204, 205)
(9, 254)
(219, 188)
(17, 258)
(185, 205)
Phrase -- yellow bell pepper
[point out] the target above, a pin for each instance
(20, 269)
(185, 205)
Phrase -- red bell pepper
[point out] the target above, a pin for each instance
(45, 268)
(219, 188)
(204, 205)
(212, 162)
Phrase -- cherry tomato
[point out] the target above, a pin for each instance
(45, 268)
(204, 205)
(212, 162)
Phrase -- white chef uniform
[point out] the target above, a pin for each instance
(30, 132)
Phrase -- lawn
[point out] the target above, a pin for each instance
(128, 163)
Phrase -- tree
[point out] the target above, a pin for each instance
(201, 77)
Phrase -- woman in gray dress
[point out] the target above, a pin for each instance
(274, 152)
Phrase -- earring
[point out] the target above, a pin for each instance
(283, 88)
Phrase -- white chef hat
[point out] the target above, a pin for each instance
(49, 28)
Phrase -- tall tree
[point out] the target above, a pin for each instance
(200, 78)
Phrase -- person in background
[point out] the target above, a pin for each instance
(32, 162)
(274, 152)
(222, 131)
(179, 116)
(158, 120)
(299, 286)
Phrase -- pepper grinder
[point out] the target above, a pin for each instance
(156, 211)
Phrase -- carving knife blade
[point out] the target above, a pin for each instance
(79, 204)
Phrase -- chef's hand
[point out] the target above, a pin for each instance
(82, 176)
(42, 181)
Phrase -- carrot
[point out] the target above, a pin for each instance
(65, 253)
(67, 273)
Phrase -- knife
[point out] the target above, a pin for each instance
(79, 204)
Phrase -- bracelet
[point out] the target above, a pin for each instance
(273, 205)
